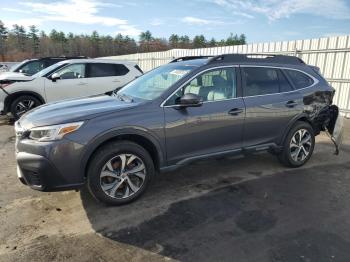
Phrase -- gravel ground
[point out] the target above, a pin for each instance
(230, 209)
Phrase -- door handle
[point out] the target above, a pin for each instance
(291, 104)
(82, 84)
(116, 81)
(235, 111)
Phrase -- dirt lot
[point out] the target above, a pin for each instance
(232, 209)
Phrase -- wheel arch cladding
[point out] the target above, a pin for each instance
(146, 141)
(302, 118)
(10, 98)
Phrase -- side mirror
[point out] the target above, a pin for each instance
(54, 77)
(189, 100)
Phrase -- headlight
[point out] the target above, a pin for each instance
(51, 133)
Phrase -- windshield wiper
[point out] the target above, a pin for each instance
(127, 98)
(124, 97)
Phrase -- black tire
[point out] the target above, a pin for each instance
(25, 102)
(286, 156)
(103, 156)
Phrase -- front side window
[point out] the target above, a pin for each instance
(153, 84)
(215, 85)
(299, 79)
(73, 71)
(32, 67)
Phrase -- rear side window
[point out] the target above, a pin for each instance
(105, 70)
(260, 81)
(264, 81)
(285, 86)
(121, 69)
(299, 79)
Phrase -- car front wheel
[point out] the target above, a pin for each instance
(120, 172)
(23, 104)
(298, 145)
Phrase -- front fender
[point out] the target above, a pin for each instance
(114, 133)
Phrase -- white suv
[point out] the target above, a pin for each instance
(67, 79)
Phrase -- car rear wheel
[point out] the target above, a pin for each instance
(23, 104)
(120, 172)
(298, 145)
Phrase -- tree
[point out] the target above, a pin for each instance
(235, 40)
(212, 42)
(146, 36)
(95, 43)
(184, 42)
(16, 44)
(243, 39)
(3, 38)
(33, 36)
(199, 41)
(174, 41)
(20, 35)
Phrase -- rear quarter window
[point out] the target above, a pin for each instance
(106, 70)
(299, 79)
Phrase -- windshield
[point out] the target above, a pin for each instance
(48, 69)
(16, 67)
(151, 85)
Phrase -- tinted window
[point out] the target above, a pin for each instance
(32, 67)
(299, 79)
(260, 81)
(72, 71)
(53, 61)
(105, 70)
(263, 81)
(214, 85)
(284, 83)
(121, 70)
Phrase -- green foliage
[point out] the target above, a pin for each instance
(18, 44)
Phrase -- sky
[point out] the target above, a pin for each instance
(259, 20)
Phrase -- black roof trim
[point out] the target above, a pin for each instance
(186, 58)
(257, 58)
(62, 57)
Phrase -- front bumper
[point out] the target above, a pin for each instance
(3, 95)
(50, 166)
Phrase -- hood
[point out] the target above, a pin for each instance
(73, 110)
(14, 76)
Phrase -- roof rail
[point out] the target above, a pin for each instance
(186, 58)
(265, 58)
(65, 57)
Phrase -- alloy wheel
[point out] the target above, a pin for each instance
(300, 145)
(24, 106)
(122, 176)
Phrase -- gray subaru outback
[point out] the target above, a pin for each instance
(189, 109)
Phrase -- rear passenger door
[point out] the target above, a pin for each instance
(271, 102)
(106, 77)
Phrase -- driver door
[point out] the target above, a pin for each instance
(72, 83)
(214, 127)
